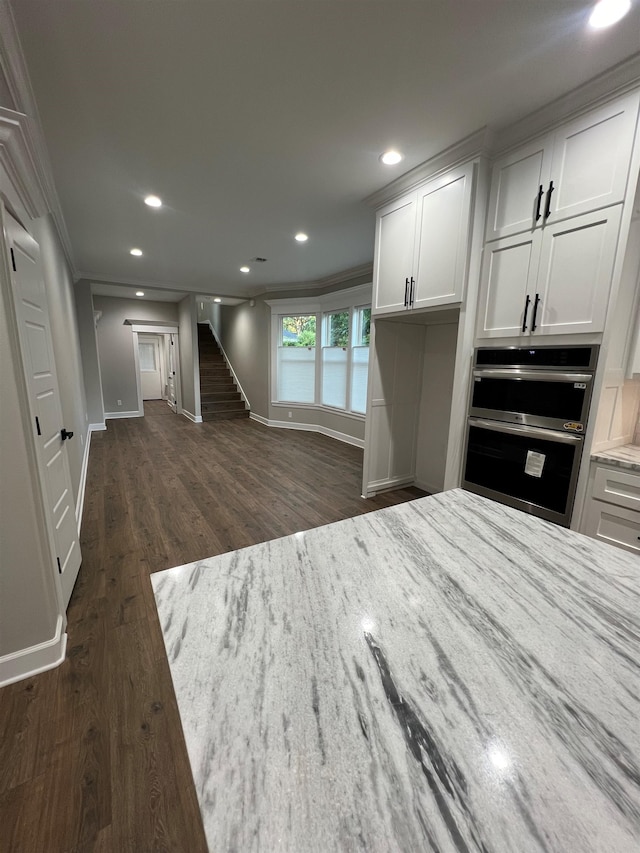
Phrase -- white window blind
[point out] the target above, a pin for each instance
(147, 353)
(334, 376)
(359, 374)
(297, 374)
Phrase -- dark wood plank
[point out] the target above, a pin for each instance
(92, 754)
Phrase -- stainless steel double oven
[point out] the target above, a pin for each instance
(528, 413)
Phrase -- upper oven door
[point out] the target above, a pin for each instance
(550, 399)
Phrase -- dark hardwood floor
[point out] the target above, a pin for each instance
(92, 756)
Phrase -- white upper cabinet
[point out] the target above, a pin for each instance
(395, 239)
(555, 281)
(421, 245)
(581, 167)
(518, 183)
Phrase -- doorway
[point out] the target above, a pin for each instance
(157, 360)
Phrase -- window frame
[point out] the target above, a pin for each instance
(352, 301)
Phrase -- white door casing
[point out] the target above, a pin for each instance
(32, 314)
(171, 348)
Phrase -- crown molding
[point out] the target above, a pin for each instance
(472, 146)
(93, 278)
(616, 81)
(340, 278)
(15, 71)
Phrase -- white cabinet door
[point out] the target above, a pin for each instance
(591, 158)
(518, 182)
(393, 262)
(442, 239)
(613, 524)
(575, 271)
(581, 167)
(509, 269)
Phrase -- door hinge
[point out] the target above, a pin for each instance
(38, 425)
(59, 566)
(13, 261)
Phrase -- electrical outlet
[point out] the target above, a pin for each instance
(119, 402)
(290, 414)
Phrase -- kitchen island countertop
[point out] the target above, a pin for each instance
(449, 674)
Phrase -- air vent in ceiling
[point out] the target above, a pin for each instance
(260, 260)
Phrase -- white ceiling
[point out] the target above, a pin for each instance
(254, 119)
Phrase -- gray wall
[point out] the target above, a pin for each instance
(28, 602)
(66, 342)
(115, 346)
(244, 335)
(89, 352)
(189, 363)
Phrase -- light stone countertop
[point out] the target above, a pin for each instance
(446, 675)
(627, 456)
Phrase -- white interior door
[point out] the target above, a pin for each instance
(150, 367)
(44, 401)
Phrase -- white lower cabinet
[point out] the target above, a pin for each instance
(613, 509)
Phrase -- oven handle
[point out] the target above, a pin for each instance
(535, 432)
(537, 375)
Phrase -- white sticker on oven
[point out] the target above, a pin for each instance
(534, 464)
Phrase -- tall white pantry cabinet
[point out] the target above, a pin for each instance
(552, 226)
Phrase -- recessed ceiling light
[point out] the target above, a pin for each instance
(136, 252)
(217, 299)
(391, 158)
(139, 292)
(608, 12)
(244, 269)
(153, 201)
(302, 238)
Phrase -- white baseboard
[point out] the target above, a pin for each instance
(113, 415)
(98, 427)
(27, 662)
(331, 433)
(196, 419)
(83, 479)
(378, 486)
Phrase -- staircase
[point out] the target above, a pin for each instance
(219, 395)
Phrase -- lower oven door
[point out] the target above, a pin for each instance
(528, 468)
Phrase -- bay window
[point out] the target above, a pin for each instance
(321, 351)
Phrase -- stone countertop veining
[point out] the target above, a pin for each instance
(445, 675)
(627, 456)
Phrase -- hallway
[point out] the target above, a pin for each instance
(92, 752)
